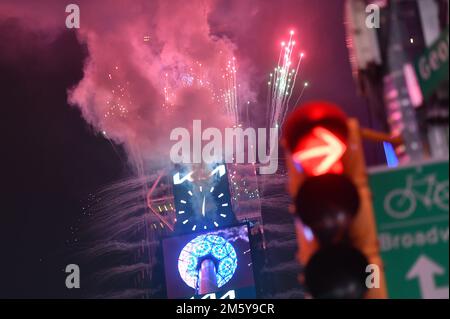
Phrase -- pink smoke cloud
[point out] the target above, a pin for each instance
(152, 66)
(136, 91)
(127, 80)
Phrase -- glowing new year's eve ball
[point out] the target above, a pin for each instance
(207, 246)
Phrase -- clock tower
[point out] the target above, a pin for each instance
(202, 198)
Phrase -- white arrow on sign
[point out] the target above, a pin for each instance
(424, 269)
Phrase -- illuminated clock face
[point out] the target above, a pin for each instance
(202, 203)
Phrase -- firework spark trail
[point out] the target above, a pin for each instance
(297, 69)
(305, 85)
(290, 243)
(169, 96)
(289, 266)
(279, 228)
(273, 190)
(118, 219)
(282, 83)
(104, 248)
(230, 96)
(120, 207)
(117, 105)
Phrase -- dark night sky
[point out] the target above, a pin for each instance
(52, 159)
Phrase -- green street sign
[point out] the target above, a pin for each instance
(411, 206)
(432, 66)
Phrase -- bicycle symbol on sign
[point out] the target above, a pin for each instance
(401, 203)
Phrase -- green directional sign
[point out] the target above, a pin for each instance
(412, 211)
(432, 66)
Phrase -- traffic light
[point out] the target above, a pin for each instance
(319, 152)
(347, 277)
(316, 137)
(327, 204)
(329, 187)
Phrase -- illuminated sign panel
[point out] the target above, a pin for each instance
(320, 152)
(217, 248)
(202, 199)
(228, 249)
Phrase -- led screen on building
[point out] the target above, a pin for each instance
(202, 198)
(227, 249)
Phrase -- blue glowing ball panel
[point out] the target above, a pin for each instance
(209, 246)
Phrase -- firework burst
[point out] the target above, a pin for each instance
(282, 82)
(230, 95)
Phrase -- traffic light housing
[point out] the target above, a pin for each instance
(316, 137)
(325, 210)
(347, 278)
(329, 185)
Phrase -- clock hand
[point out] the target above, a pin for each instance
(203, 206)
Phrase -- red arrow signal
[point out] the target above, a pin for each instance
(320, 152)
